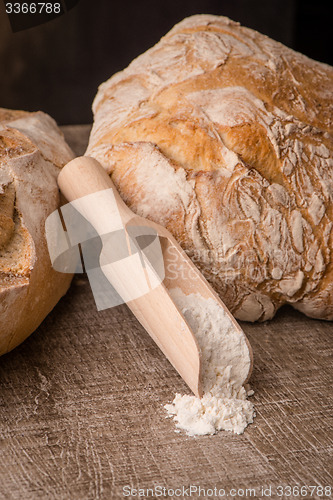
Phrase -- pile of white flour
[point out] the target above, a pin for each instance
(225, 365)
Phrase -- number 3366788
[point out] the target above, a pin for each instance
(33, 8)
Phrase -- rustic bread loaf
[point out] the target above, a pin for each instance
(225, 137)
(32, 152)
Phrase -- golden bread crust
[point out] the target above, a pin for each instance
(32, 150)
(226, 137)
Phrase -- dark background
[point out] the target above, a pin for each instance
(57, 66)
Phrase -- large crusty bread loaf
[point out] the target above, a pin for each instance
(32, 152)
(225, 137)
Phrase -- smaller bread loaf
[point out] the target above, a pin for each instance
(225, 137)
(32, 152)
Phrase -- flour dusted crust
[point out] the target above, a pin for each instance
(32, 152)
(224, 136)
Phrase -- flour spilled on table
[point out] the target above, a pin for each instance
(225, 365)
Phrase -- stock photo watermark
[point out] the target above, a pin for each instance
(122, 264)
(23, 14)
(125, 263)
(263, 491)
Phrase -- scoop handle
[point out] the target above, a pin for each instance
(84, 176)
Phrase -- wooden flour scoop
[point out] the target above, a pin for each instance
(155, 310)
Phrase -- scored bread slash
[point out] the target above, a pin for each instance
(154, 307)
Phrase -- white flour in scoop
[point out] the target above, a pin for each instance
(225, 366)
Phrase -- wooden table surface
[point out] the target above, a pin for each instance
(81, 408)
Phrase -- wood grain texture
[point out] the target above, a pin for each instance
(81, 407)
